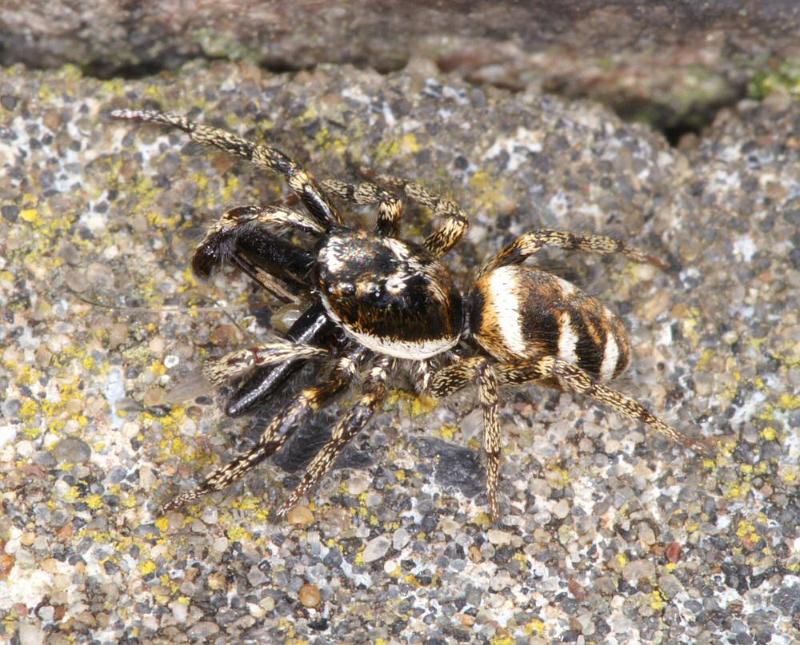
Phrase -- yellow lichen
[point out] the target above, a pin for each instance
(534, 626)
(657, 600)
(405, 145)
(423, 404)
(238, 534)
(448, 431)
(705, 360)
(747, 532)
(30, 215)
(28, 409)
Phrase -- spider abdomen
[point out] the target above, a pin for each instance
(392, 296)
(518, 312)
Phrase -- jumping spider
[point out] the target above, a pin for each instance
(378, 298)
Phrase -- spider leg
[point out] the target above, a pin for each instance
(458, 375)
(573, 378)
(279, 429)
(264, 279)
(390, 207)
(422, 376)
(240, 361)
(264, 156)
(455, 223)
(529, 243)
(347, 427)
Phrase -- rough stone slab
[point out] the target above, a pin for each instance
(670, 64)
(101, 318)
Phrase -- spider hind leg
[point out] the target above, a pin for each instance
(573, 378)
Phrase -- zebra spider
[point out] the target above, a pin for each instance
(377, 298)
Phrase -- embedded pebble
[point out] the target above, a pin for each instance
(309, 595)
(376, 548)
(400, 538)
(72, 450)
(30, 634)
(300, 515)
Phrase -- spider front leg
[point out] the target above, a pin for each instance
(390, 207)
(240, 361)
(454, 377)
(530, 243)
(279, 429)
(264, 156)
(450, 231)
(573, 378)
(348, 427)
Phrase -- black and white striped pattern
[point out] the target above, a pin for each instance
(518, 312)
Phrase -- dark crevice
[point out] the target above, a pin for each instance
(144, 69)
(283, 67)
(134, 71)
(676, 132)
(665, 119)
(672, 124)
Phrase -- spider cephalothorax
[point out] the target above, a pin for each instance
(395, 300)
(393, 297)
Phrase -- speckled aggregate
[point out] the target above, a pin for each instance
(608, 535)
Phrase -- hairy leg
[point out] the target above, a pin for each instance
(240, 361)
(458, 375)
(279, 429)
(264, 156)
(347, 427)
(390, 207)
(455, 223)
(530, 243)
(573, 378)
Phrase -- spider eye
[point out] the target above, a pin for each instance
(341, 289)
(395, 285)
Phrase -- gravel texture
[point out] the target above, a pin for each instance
(608, 534)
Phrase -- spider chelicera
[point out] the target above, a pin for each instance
(378, 298)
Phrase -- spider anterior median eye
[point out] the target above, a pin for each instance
(342, 289)
(395, 285)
